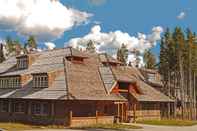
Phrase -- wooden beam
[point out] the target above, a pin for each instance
(118, 112)
(134, 112)
(29, 108)
(70, 115)
(122, 113)
(52, 108)
(96, 116)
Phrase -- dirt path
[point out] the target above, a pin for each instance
(145, 128)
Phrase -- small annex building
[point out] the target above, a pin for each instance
(70, 87)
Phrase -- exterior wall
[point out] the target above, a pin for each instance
(59, 112)
(101, 112)
(25, 79)
(57, 116)
(53, 75)
(81, 121)
(146, 111)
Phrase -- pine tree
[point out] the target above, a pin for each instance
(2, 58)
(30, 45)
(122, 54)
(90, 47)
(150, 60)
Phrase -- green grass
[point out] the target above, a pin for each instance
(21, 127)
(169, 122)
(109, 126)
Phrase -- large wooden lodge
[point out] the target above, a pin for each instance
(69, 87)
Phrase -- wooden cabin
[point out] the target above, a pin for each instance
(73, 88)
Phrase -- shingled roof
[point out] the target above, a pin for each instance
(89, 80)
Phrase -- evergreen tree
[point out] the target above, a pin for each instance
(90, 47)
(2, 58)
(122, 54)
(150, 60)
(30, 45)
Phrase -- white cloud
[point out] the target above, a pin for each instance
(111, 41)
(45, 19)
(181, 15)
(50, 45)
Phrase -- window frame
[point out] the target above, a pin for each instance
(22, 62)
(10, 82)
(3, 103)
(40, 108)
(151, 77)
(19, 107)
(40, 80)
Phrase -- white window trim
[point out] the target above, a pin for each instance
(40, 81)
(10, 82)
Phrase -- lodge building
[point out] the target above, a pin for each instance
(70, 87)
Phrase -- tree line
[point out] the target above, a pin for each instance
(178, 67)
(13, 47)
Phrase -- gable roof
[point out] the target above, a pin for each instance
(89, 80)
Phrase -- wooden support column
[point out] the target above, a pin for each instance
(52, 108)
(29, 108)
(70, 115)
(118, 113)
(96, 116)
(134, 112)
(122, 112)
(9, 106)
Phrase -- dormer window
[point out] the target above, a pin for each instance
(40, 80)
(151, 77)
(10, 82)
(22, 62)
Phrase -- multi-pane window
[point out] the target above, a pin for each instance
(10, 82)
(151, 77)
(40, 81)
(4, 106)
(19, 107)
(22, 63)
(40, 108)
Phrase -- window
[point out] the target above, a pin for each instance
(4, 106)
(22, 62)
(40, 108)
(19, 107)
(40, 81)
(151, 77)
(10, 82)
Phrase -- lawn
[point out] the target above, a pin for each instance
(169, 122)
(109, 126)
(20, 127)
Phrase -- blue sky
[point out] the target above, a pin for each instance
(131, 16)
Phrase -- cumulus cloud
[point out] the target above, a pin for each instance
(50, 45)
(45, 19)
(110, 42)
(181, 15)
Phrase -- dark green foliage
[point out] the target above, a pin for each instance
(2, 57)
(178, 64)
(122, 54)
(90, 47)
(150, 60)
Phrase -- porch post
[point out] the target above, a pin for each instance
(52, 108)
(118, 113)
(29, 108)
(71, 115)
(134, 113)
(9, 106)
